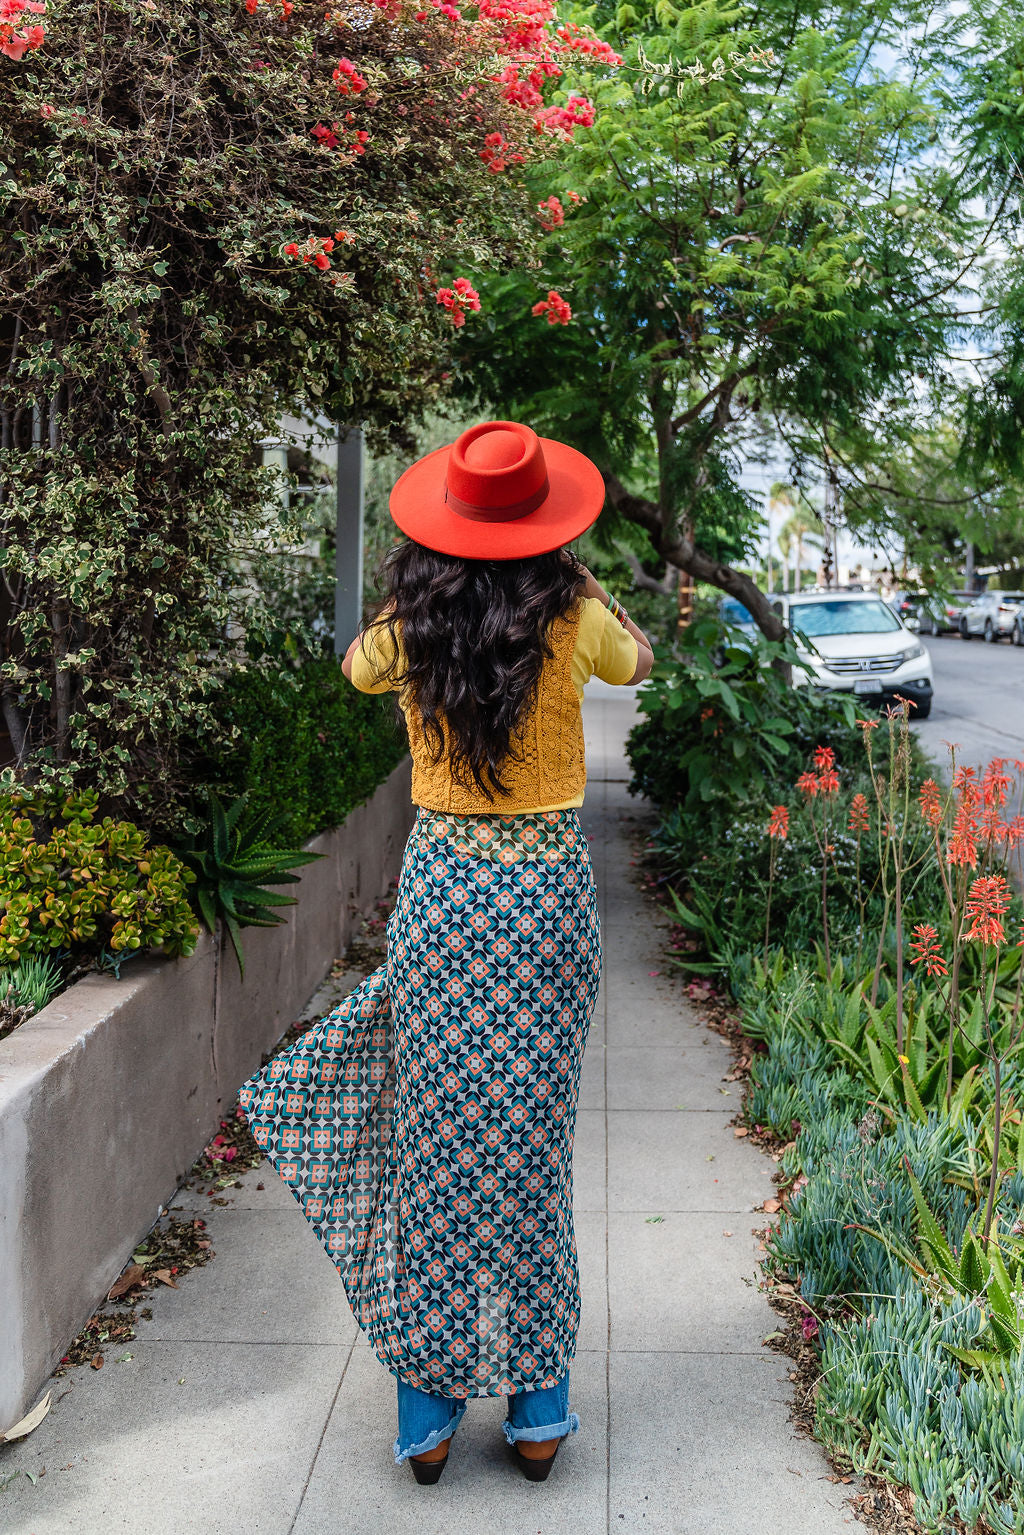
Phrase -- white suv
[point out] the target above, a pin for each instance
(856, 644)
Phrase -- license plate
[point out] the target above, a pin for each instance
(867, 685)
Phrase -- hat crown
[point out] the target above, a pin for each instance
(497, 466)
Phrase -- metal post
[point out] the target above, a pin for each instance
(348, 557)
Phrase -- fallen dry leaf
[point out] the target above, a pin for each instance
(30, 1421)
(164, 1276)
(771, 1206)
(97, 1361)
(727, 1233)
(133, 1275)
(740, 1131)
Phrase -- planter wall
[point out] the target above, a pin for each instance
(108, 1095)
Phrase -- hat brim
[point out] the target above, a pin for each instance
(571, 506)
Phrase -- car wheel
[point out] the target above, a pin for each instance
(928, 624)
(1018, 632)
(989, 632)
(965, 633)
(921, 711)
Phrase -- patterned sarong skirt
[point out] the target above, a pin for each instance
(426, 1125)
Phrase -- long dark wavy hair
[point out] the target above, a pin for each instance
(475, 634)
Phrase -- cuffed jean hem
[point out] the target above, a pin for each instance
(546, 1431)
(432, 1440)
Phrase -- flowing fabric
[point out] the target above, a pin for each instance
(426, 1125)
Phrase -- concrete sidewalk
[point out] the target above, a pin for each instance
(252, 1404)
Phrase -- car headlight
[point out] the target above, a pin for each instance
(912, 652)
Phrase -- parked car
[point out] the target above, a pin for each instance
(732, 612)
(994, 615)
(941, 615)
(854, 643)
(907, 605)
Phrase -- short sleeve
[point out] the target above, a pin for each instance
(605, 648)
(372, 659)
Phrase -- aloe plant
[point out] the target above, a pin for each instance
(981, 1271)
(234, 861)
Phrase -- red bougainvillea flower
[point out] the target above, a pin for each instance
(931, 803)
(555, 307)
(778, 824)
(807, 783)
(458, 298)
(348, 79)
(988, 901)
(15, 39)
(551, 213)
(859, 820)
(328, 137)
(926, 951)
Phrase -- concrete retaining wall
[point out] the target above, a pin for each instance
(109, 1094)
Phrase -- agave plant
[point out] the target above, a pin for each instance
(234, 860)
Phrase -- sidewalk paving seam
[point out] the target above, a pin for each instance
(323, 1431)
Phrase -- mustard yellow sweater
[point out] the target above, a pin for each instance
(551, 771)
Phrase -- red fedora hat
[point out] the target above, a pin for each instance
(499, 492)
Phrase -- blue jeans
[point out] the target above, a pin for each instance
(426, 1420)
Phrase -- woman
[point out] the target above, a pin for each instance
(426, 1126)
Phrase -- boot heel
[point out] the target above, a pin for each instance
(535, 1470)
(427, 1472)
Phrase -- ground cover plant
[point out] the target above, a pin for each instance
(884, 1019)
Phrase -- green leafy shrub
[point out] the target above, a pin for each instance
(73, 884)
(723, 729)
(233, 860)
(303, 746)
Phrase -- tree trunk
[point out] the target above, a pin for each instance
(680, 550)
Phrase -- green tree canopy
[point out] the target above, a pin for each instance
(784, 215)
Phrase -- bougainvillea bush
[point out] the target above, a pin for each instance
(213, 214)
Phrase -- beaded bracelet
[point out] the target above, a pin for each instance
(616, 609)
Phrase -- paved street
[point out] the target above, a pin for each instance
(250, 1403)
(979, 700)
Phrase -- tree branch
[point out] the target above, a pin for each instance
(683, 552)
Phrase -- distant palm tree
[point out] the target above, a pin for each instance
(802, 526)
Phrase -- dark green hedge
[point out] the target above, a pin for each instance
(309, 747)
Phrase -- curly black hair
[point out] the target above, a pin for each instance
(474, 634)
